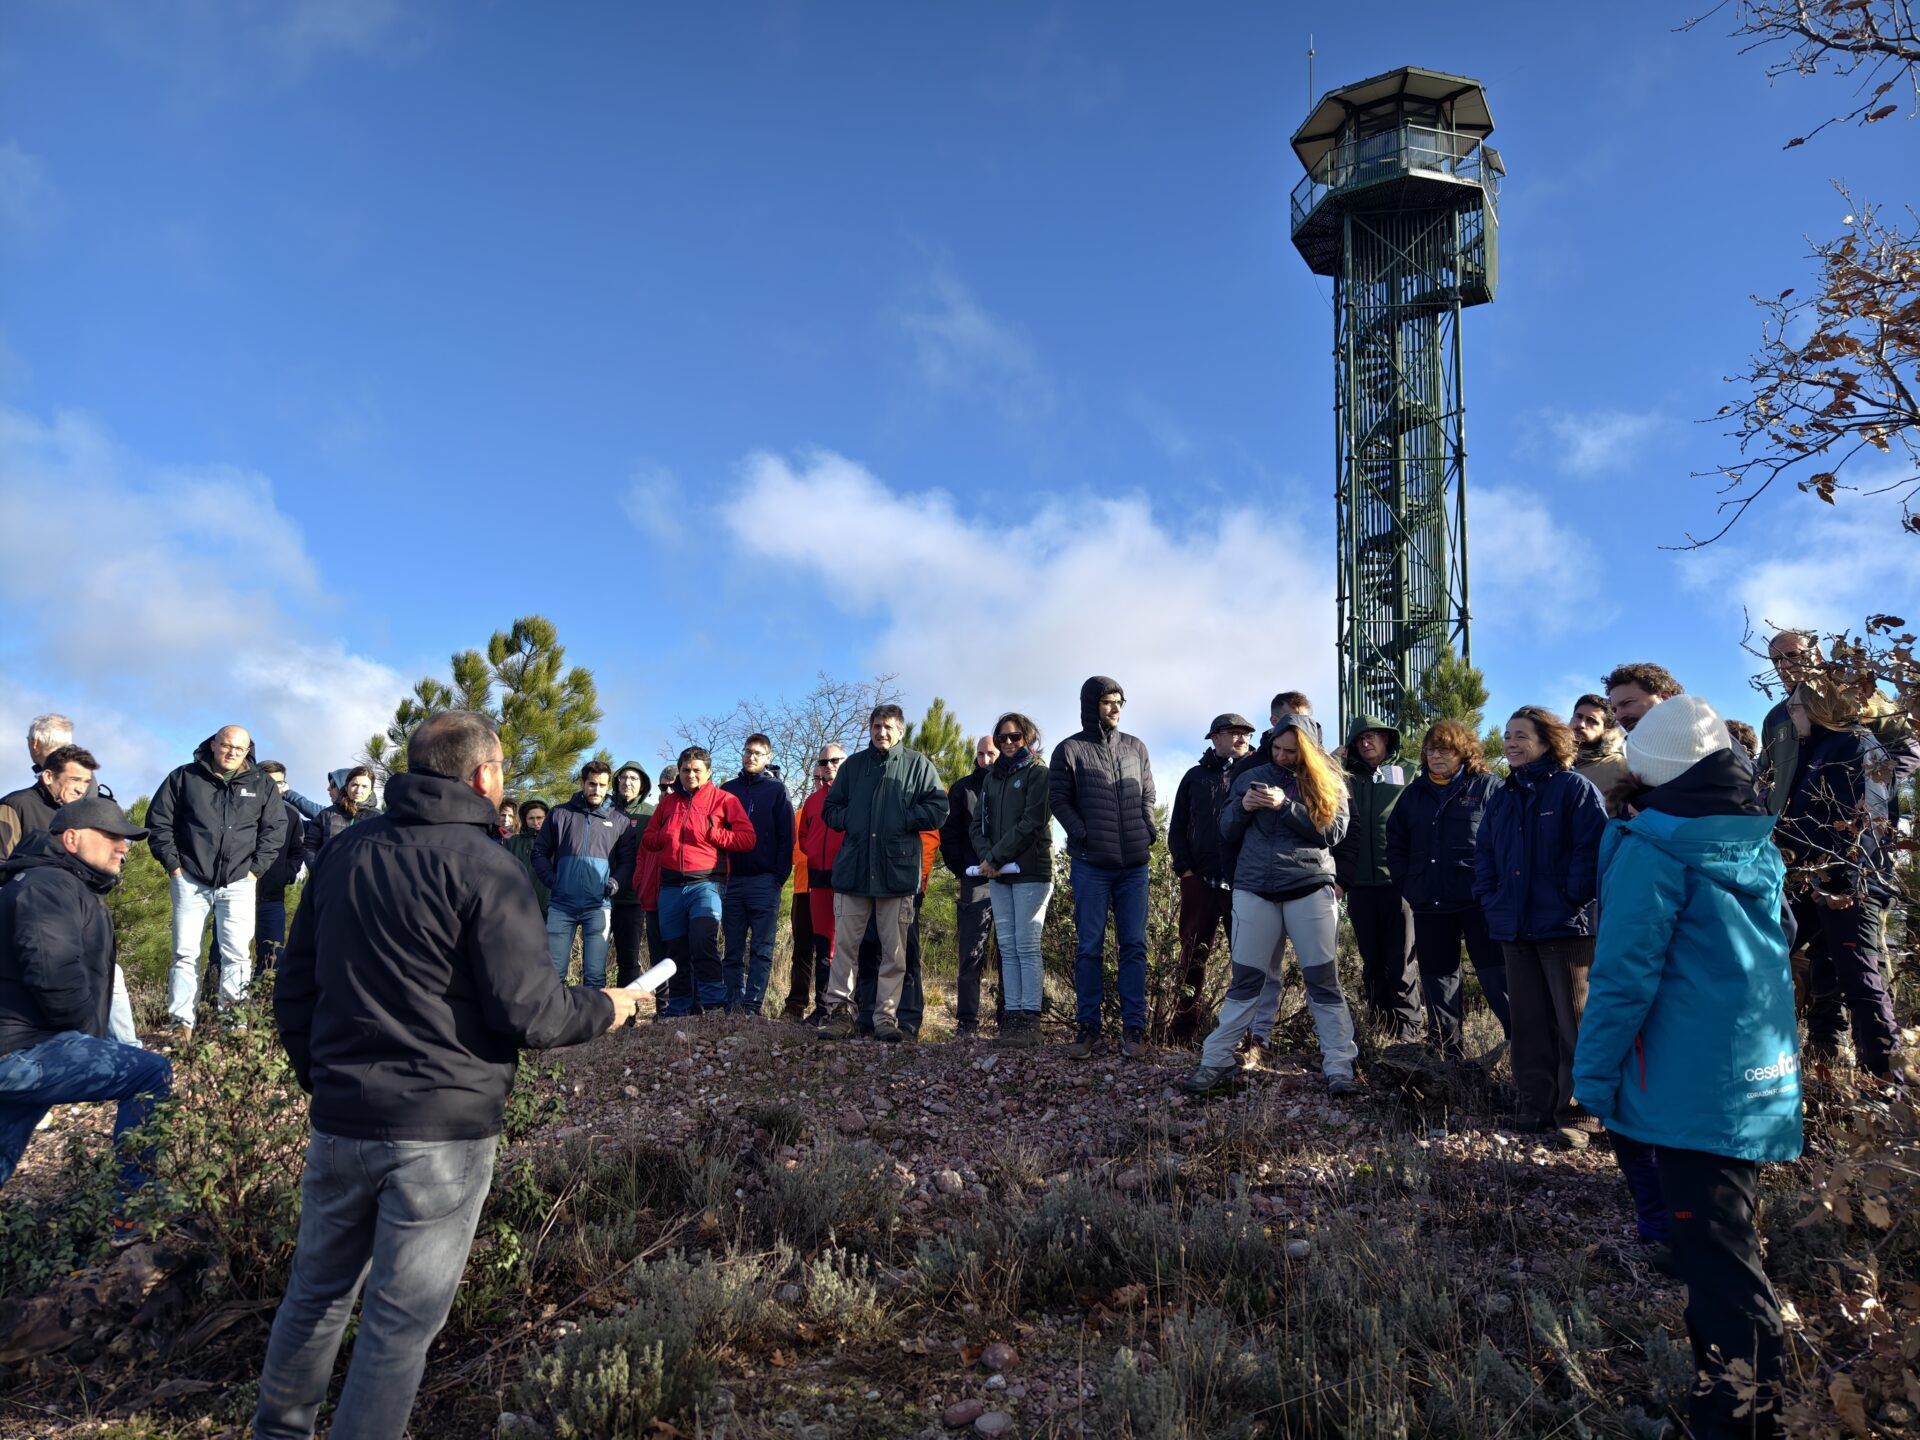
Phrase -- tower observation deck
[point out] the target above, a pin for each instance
(1399, 207)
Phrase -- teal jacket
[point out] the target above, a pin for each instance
(1688, 1039)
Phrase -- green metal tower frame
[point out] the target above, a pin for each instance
(1399, 208)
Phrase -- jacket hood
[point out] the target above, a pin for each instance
(203, 753)
(38, 852)
(417, 798)
(1716, 785)
(1303, 723)
(1612, 745)
(646, 783)
(1735, 852)
(1090, 693)
(1363, 723)
(1212, 759)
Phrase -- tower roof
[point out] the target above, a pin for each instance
(1464, 98)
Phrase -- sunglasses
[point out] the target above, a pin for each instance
(1014, 735)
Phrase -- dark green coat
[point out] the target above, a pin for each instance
(1012, 823)
(882, 802)
(1360, 859)
(521, 848)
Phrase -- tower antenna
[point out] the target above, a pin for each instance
(1309, 69)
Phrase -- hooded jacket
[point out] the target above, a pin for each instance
(577, 853)
(520, 847)
(1536, 859)
(882, 801)
(818, 843)
(416, 971)
(696, 835)
(218, 830)
(1836, 823)
(1689, 1038)
(1101, 788)
(1011, 824)
(1431, 836)
(56, 945)
(1279, 851)
(1781, 750)
(770, 811)
(1193, 830)
(1604, 763)
(1360, 859)
(333, 821)
(638, 814)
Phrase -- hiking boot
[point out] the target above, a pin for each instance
(1133, 1044)
(1491, 1059)
(1342, 1087)
(1659, 1254)
(1253, 1053)
(122, 1231)
(815, 1017)
(837, 1024)
(886, 1032)
(1566, 1137)
(1026, 1034)
(967, 1030)
(1203, 1079)
(1085, 1043)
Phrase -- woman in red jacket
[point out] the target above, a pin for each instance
(820, 846)
(694, 829)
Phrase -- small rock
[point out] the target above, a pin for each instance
(986, 1062)
(1299, 1249)
(999, 1355)
(851, 1121)
(996, 1382)
(632, 1092)
(1134, 1179)
(934, 1107)
(962, 1413)
(872, 1395)
(683, 1037)
(994, 1422)
(948, 1182)
(788, 1294)
(511, 1426)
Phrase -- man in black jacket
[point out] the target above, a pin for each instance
(750, 903)
(416, 971)
(973, 908)
(270, 896)
(56, 984)
(66, 774)
(1100, 785)
(216, 826)
(1199, 864)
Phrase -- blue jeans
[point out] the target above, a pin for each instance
(394, 1216)
(72, 1068)
(1019, 917)
(1095, 890)
(690, 924)
(595, 927)
(751, 907)
(232, 907)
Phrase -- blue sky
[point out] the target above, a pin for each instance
(961, 341)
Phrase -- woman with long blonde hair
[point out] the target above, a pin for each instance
(1280, 824)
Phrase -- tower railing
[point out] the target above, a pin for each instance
(1389, 155)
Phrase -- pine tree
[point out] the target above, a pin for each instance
(548, 714)
(1451, 689)
(941, 739)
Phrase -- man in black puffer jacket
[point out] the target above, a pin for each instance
(1200, 865)
(1100, 786)
(56, 984)
(416, 971)
(217, 825)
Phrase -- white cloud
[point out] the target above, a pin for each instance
(181, 593)
(1812, 566)
(1593, 442)
(28, 200)
(1527, 569)
(307, 30)
(961, 347)
(653, 502)
(1014, 612)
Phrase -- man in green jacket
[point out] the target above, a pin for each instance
(1382, 923)
(883, 798)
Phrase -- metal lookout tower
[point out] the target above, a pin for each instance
(1398, 206)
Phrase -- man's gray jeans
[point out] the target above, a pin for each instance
(397, 1216)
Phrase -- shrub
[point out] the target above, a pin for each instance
(837, 1190)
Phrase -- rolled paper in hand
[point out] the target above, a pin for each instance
(654, 978)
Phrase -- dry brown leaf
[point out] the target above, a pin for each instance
(1849, 1404)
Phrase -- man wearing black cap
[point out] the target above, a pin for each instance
(56, 984)
(1199, 864)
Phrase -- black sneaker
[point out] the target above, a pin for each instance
(886, 1032)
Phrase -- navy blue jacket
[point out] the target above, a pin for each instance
(1537, 860)
(770, 809)
(577, 853)
(1837, 819)
(1431, 835)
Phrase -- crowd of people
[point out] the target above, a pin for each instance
(1646, 897)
